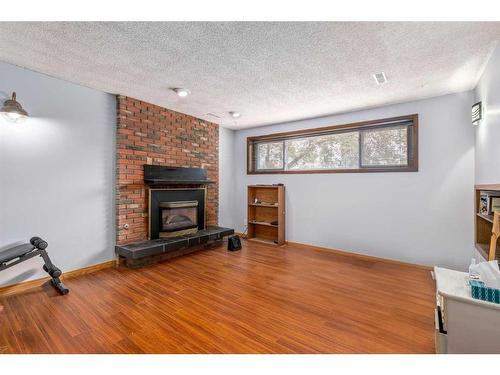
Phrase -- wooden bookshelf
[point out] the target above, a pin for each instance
(487, 227)
(266, 206)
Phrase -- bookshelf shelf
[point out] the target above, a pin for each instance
(263, 205)
(263, 240)
(263, 223)
(486, 217)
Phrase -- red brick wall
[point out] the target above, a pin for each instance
(149, 134)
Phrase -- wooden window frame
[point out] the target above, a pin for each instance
(412, 146)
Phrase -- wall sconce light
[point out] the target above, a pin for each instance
(477, 113)
(13, 111)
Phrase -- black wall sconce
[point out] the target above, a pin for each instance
(13, 111)
(477, 113)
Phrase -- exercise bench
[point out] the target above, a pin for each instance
(19, 253)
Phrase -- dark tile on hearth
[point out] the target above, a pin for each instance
(174, 243)
(140, 249)
(193, 240)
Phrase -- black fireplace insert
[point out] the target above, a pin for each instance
(176, 212)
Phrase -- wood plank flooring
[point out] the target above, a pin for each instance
(261, 299)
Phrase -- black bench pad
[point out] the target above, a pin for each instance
(142, 249)
(15, 252)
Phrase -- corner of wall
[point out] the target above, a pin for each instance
(487, 133)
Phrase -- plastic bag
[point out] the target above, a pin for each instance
(488, 272)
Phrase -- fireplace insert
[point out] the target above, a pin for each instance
(176, 212)
(178, 218)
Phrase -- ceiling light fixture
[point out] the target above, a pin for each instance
(181, 92)
(380, 78)
(13, 111)
(235, 114)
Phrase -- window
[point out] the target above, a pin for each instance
(270, 155)
(388, 145)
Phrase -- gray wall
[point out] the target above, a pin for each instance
(488, 131)
(424, 217)
(57, 172)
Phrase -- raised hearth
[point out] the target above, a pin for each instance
(169, 247)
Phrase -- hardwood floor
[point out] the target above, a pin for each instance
(262, 299)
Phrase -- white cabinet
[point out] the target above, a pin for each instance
(463, 324)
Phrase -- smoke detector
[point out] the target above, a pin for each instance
(380, 78)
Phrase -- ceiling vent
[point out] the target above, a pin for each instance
(380, 78)
(212, 115)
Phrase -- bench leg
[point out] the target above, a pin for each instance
(54, 272)
(56, 282)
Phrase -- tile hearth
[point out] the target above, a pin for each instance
(181, 244)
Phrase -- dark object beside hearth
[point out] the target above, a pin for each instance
(146, 252)
(157, 174)
(234, 243)
(17, 254)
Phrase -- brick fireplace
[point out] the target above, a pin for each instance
(149, 134)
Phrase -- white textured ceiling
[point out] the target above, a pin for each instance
(270, 72)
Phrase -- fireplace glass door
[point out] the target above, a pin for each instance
(178, 218)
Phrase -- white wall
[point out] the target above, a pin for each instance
(422, 217)
(226, 177)
(488, 131)
(57, 172)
